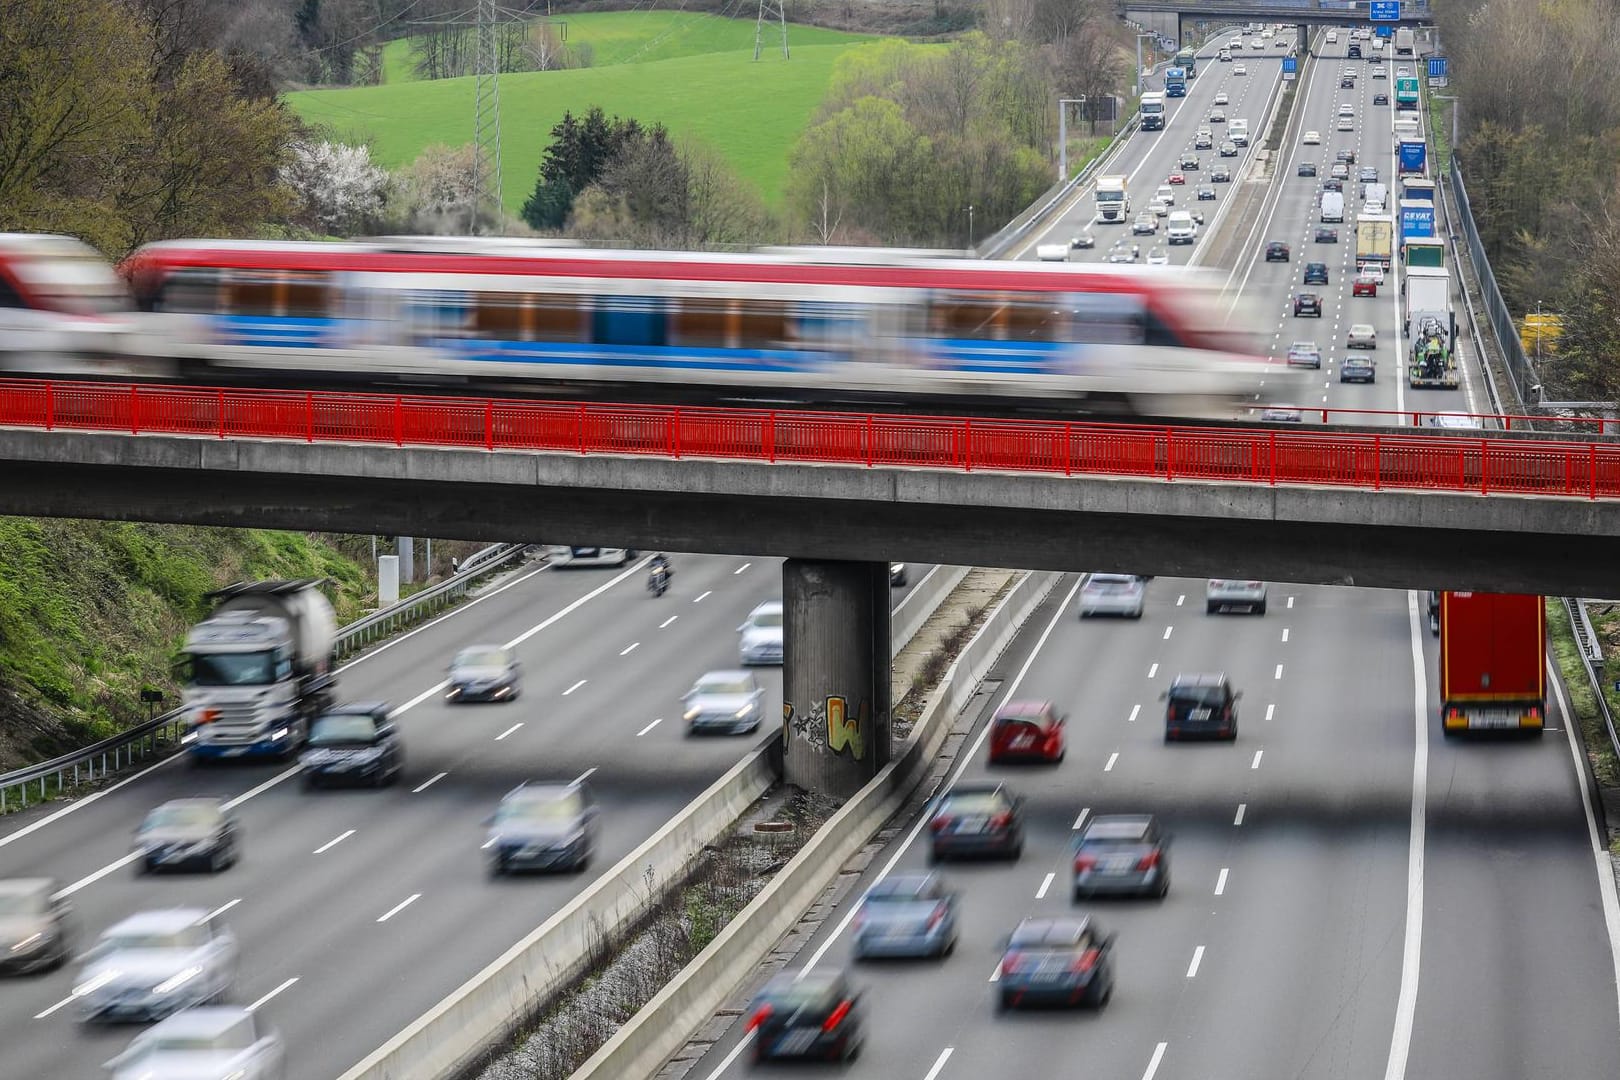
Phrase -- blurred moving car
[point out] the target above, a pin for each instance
(1276, 251)
(35, 926)
(1308, 303)
(195, 832)
(213, 1042)
(724, 701)
(1123, 252)
(977, 818)
(1282, 413)
(1222, 594)
(543, 827)
(154, 964)
(1113, 594)
(814, 1014)
(1307, 168)
(1158, 257)
(1304, 354)
(1325, 235)
(484, 673)
(905, 915)
(1026, 731)
(1122, 854)
(1146, 223)
(1201, 706)
(1357, 367)
(1456, 421)
(761, 632)
(1066, 960)
(897, 574)
(355, 743)
(1081, 240)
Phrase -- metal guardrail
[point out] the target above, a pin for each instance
(1496, 309)
(163, 733)
(1592, 661)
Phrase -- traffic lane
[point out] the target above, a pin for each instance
(1513, 919)
(76, 838)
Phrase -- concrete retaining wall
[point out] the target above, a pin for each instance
(663, 1026)
(490, 1006)
(921, 602)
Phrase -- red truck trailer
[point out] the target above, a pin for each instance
(1493, 667)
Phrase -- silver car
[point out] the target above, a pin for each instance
(215, 1042)
(724, 701)
(761, 641)
(34, 926)
(484, 673)
(156, 963)
(912, 915)
(1222, 594)
(1113, 594)
(543, 827)
(1362, 336)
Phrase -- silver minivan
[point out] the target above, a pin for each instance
(1113, 594)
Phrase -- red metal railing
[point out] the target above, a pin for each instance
(1400, 458)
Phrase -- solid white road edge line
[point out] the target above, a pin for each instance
(1605, 865)
(1400, 1041)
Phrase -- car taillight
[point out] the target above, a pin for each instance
(937, 917)
(1010, 962)
(939, 824)
(1085, 961)
(836, 1017)
(1083, 863)
(762, 1014)
(1148, 861)
(1001, 820)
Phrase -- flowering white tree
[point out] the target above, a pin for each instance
(339, 190)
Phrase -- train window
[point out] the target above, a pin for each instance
(1038, 319)
(1107, 319)
(10, 297)
(189, 290)
(306, 296)
(557, 318)
(500, 315)
(972, 316)
(250, 293)
(432, 314)
(704, 323)
(630, 320)
(762, 323)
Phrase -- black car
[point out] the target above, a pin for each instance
(1308, 303)
(815, 1015)
(1220, 174)
(1353, 53)
(983, 818)
(1380, 99)
(1347, 83)
(1067, 960)
(1205, 193)
(1333, 184)
(354, 743)
(1325, 235)
(1122, 854)
(1229, 148)
(1189, 162)
(195, 832)
(1316, 273)
(543, 827)
(36, 928)
(1276, 251)
(1307, 168)
(1201, 706)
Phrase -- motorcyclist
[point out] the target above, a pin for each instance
(658, 572)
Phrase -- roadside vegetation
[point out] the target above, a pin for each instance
(1594, 735)
(1540, 152)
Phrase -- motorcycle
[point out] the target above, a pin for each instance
(658, 580)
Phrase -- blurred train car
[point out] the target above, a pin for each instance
(892, 327)
(62, 308)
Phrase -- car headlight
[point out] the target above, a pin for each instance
(692, 714)
(29, 943)
(744, 711)
(174, 982)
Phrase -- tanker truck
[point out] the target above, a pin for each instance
(258, 669)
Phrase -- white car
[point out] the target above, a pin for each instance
(1221, 594)
(1347, 109)
(1113, 594)
(729, 702)
(1160, 209)
(1239, 69)
(1333, 37)
(1222, 99)
(1380, 73)
(1312, 138)
(1216, 116)
(1347, 123)
(761, 641)
(1165, 194)
(154, 964)
(1158, 257)
(215, 1042)
(1454, 420)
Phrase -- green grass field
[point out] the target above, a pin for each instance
(619, 37)
(752, 113)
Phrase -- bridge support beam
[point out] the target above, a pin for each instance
(835, 674)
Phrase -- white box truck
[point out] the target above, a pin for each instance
(1237, 130)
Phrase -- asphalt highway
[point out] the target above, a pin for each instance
(357, 910)
(1353, 894)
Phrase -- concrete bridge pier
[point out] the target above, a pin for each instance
(835, 673)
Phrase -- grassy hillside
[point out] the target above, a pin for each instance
(92, 611)
(618, 37)
(752, 113)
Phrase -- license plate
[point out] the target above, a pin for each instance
(1492, 719)
(796, 1041)
(1023, 742)
(978, 824)
(1202, 714)
(1118, 863)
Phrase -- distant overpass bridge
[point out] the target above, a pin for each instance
(1166, 17)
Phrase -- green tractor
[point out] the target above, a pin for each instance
(1431, 365)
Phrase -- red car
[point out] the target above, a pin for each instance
(1177, 178)
(1026, 731)
(1364, 286)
